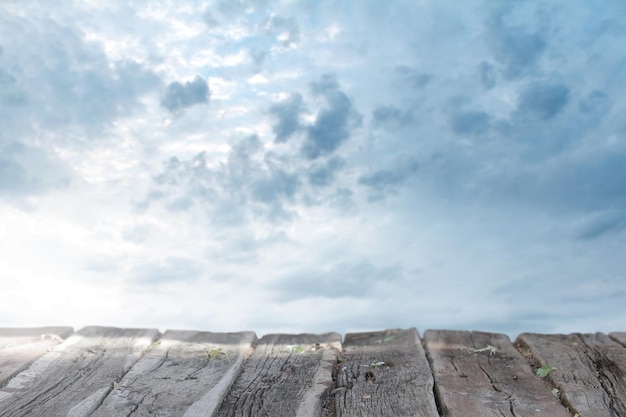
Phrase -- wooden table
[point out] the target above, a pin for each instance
(105, 371)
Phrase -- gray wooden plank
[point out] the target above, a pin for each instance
(482, 374)
(590, 373)
(75, 377)
(286, 375)
(186, 373)
(19, 347)
(384, 374)
(619, 337)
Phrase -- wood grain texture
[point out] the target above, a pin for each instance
(286, 375)
(590, 373)
(74, 378)
(384, 374)
(186, 373)
(21, 347)
(619, 337)
(471, 379)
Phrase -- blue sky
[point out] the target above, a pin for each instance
(307, 166)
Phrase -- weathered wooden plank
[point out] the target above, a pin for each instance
(619, 337)
(590, 374)
(21, 347)
(186, 373)
(76, 376)
(286, 375)
(384, 374)
(482, 374)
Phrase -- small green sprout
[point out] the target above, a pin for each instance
(216, 353)
(153, 345)
(296, 349)
(545, 370)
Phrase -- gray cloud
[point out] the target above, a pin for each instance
(25, 171)
(384, 181)
(258, 58)
(324, 174)
(278, 184)
(487, 75)
(288, 114)
(249, 185)
(10, 93)
(574, 183)
(15, 179)
(412, 77)
(469, 122)
(391, 117)
(53, 78)
(597, 104)
(210, 19)
(515, 47)
(331, 125)
(543, 100)
(594, 183)
(180, 96)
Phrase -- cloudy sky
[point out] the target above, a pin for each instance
(308, 166)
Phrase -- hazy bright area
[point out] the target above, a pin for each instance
(307, 166)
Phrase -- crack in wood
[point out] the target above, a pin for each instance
(605, 373)
(491, 380)
(512, 408)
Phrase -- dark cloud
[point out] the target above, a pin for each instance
(248, 185)
(469, 122)
(180, 96)
(542, 100)
(596, 104)
(487, 75)
(384, 181)
(515, 47)
(324, 174)
(412, 77)
(331, 126)
(278, 184)
(288, 114)
(209, 19)
(391, 117)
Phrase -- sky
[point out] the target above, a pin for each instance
(312, 166)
